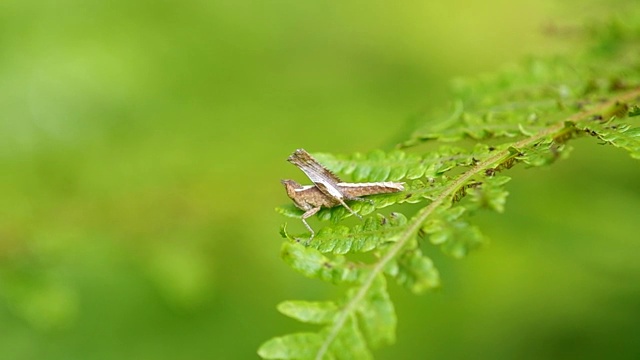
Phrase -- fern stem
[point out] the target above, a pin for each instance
(446, 193)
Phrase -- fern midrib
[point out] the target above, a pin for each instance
(449, 191)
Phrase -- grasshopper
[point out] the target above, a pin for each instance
(327, 189)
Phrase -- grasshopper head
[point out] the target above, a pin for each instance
(291, 187)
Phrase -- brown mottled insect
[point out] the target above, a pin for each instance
(327, 189)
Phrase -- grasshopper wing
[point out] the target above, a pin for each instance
(324, 179)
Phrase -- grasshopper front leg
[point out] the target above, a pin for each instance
(309, 213)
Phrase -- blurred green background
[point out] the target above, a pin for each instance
(142, 143)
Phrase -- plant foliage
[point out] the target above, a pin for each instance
(525, 114)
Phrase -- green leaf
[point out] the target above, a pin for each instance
(415, 191)
(362, 237)
(293, 346)
(454, 234)
(311, 263)
(491, 193)
(619, 135)
(289, 210)
(397, 165)
(377, 315)
(416, 272)
(516, 102)
(318, 312)
(542, 153)
(616, 110)
(375, 166)
(350, 343)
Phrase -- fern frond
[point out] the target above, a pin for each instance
(524, 115)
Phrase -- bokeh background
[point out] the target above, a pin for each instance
(142, 143)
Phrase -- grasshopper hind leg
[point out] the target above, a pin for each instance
(355, 198)
(350, 209)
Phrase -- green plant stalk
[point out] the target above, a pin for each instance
(448, 192)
